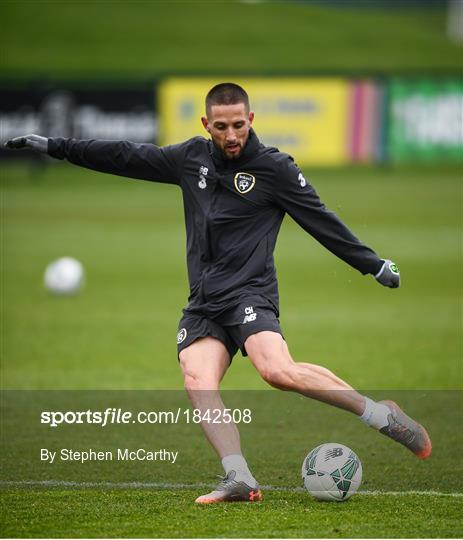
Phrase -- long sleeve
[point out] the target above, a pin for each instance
(124, 158)
(300, 200)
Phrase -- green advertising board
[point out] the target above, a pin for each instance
(425, 120)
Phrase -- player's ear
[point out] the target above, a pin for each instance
(205, 123)
(251, 117)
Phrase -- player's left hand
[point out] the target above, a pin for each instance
(389, 275)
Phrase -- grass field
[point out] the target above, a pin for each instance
(400, 496)
(119, 333)
(115, 342)
(53, 39)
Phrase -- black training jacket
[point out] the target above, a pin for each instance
(233, 211)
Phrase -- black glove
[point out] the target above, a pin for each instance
(389, 275)
(36, 142)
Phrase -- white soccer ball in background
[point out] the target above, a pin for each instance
(64, 276)
(332, 472)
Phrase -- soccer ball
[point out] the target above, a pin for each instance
(332, 472)
(64, 276)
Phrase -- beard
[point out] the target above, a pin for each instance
(229, 151)
(235, 154)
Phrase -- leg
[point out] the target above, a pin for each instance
(270, 356)
(204, 364)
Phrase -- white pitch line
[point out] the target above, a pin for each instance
(166, 485)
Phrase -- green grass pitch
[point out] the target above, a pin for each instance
(168, 513)
(119, 333)
(198, 36)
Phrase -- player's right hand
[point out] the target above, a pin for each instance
(36, 142)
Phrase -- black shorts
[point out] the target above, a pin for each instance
(232, 327)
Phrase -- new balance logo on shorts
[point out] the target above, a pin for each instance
(249, 315)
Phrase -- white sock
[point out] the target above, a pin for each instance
(236, 462)
(375, 414)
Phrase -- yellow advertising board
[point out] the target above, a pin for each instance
(306, 117)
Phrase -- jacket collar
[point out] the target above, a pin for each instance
(249, 150)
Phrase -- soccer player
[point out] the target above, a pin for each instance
(236, 192)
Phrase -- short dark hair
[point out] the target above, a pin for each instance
(226, 94)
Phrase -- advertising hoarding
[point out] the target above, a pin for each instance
(82, 111)
(367, 111)
(425, 120)
(306, 117)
